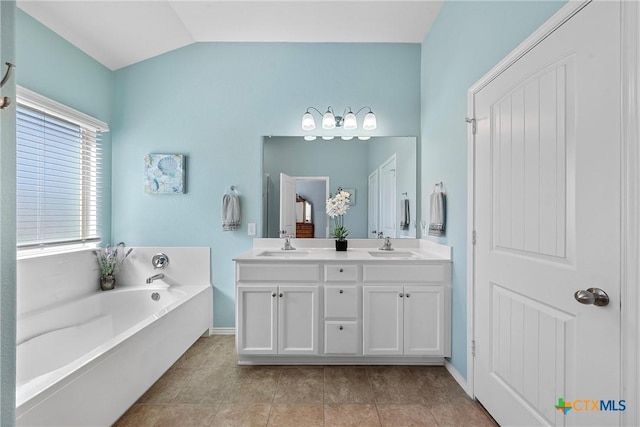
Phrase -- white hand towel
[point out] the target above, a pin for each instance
(230, 212)
(437, 214)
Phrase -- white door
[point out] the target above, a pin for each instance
(423, 320)
(287, 205)
(298, 319)
(547, 216)
(382, 317)
(257, 318)
(388, 202)
(373, 205)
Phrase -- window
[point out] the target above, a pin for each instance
(58, 173)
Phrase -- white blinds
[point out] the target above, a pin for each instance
(58, 178)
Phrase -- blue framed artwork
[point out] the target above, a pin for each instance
(164, 174)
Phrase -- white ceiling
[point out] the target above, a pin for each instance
(118, 33)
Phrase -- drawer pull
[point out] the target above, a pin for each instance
(401, 295)
(281, 294)
(408, 295)
(341, 327)
(342, 270)
(273, 294)
(341, 291)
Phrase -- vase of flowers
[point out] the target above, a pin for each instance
(337, 206)
(109, 261)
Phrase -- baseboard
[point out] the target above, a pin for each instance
(222, 331)
(456, 376)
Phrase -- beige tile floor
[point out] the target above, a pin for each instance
(207, 388)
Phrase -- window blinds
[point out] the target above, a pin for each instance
(58, 178)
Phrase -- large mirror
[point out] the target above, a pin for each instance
(380, 173)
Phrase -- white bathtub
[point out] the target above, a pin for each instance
(86, 361)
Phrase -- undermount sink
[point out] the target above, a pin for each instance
(284, 254)
(392, 254)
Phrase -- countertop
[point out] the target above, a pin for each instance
(361, 250)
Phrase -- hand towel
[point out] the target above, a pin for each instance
(406, 216)
(437, 213)
(230, 212)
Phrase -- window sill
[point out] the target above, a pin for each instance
(55, 250)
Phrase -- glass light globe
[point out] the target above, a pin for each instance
(364, 138)
(370, 122)
(328, 120)
(327, 138)
(309, 138)
(346, 138)
(350, 121)
(308, 122)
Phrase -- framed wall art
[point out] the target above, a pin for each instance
(164, 174)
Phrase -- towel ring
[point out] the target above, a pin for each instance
(438, 184)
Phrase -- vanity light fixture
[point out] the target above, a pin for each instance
(347, 120)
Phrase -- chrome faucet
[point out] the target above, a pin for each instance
(287, 244)
(155, 277)
(387, 245)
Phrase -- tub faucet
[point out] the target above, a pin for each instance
(287, 244)
(155, 277)
(387, 245)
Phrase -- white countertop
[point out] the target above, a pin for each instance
(360, 250)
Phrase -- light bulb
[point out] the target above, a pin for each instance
(370, 122)
(309, 137)
(308, 122)
(350, 121)
(328, 120)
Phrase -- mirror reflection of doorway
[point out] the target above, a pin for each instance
(304, 197)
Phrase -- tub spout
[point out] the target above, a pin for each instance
(155, 277)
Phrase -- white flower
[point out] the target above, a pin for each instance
(338, 205)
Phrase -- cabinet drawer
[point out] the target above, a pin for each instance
(406, 273)
(340, 273)
(341, 337)
(340, 301)
(279, 272)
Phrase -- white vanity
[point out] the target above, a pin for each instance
(313, 305)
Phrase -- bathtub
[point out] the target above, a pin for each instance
(86, 361)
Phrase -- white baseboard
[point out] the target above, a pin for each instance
(222, 331)
(456, 376)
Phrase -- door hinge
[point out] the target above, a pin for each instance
(473, 347)
(473, 237)
(474, 128)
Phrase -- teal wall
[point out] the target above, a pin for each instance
(7, 224)
(214, 102)
(467, 39)
(51, 66)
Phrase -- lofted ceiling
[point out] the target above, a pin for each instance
(118, 33)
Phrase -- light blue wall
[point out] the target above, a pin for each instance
(214, 102)
(467, 39)
(7, 224)
(51, 66)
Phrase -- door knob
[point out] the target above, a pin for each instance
(595, 296)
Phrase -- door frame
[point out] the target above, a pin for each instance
(327, 191)
(630, 196)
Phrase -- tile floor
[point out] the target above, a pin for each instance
(207, 388)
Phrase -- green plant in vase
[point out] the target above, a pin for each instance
(109, 261)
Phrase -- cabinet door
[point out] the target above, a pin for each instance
(423, 320)
(298, 319)
(382, 313)
(257, 319)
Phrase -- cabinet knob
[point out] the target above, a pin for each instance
(273, 294)
(408, 295)
(341, 327)
(400, 295)
(281, 294)
(341, 291)
(342, 270)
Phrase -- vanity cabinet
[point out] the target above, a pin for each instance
(277, 309)
(335, 311)
(277, 319)
(403, 320)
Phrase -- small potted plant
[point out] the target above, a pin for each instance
(337, 206)
(109, 261)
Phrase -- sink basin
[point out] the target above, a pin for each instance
(392, 254)
(284, 254)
